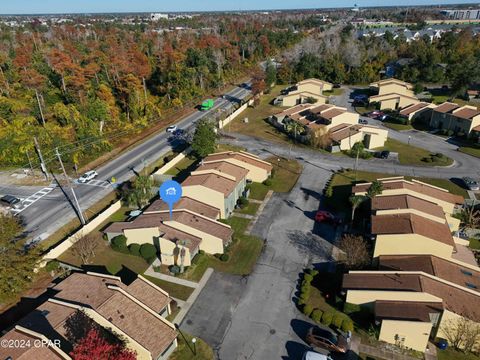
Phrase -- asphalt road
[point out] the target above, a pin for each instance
(255, 317)
(50, 210)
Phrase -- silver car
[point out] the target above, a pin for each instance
(471, 184)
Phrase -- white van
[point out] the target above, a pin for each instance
(312, 355)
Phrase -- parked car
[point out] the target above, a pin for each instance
(89, 175)
(312, 355)
(360, 99)
(323, 216)
(471, 184)
(325, 339)
(384, 154)
(363, 121)
(337, 86)
(10, 200)
(171, 128)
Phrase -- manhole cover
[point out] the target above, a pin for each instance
(272, 331)
(189, 322)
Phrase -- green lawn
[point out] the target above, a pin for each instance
(451, 354)
(229, 147)
(398, 127)
(474, 243)
(181, 171)
(177, 291)
(112, 260)
(474, 151)
(333, 92)
(243, 253)
(250, 209)
(186, 350)
(411, 155)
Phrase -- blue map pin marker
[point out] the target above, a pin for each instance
(170, 192)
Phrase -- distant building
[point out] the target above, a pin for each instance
(466, 14)
(158, 16)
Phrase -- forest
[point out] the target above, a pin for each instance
(83, 87)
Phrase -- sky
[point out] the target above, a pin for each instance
(90, 6)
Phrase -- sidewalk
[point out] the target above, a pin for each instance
(259, 212)
(173, 279)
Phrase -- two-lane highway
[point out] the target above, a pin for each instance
(48, 213)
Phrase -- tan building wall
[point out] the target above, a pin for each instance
(408, 334)
(368, 297)
(449, 320)
(168, 250)
(345, 143)
(394, 88)
(452, 222)
(374, 137)
(142, 236)
(210, 244)
(345, 118)
(410, 244)
(310, 87)
(207, 196)
(296, 98)
(255, 173)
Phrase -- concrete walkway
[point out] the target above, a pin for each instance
(173, 279)
(191, 300)
(259, 211)
(244, 216)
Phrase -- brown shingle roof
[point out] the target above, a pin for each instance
(292, 110)
(458, 300)
(392, 202)
(391, 96)
(26, 352)
(466, 113)
(416, 187)
(413, 108)
(149, 331)
(186, 203)
(412, 224)
(406, 310)
(340, 132)
(212, 181)
(330, 114)
(148, 295)
(188, 218)
(433, 265)
(446, 107)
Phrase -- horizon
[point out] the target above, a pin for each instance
(57, 7)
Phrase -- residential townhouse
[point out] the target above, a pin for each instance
(421, 112)
(135, 313)
(341, 126)
(258, 169)
(461, 120)
(303, 91)
(415, 298)
(392, 94)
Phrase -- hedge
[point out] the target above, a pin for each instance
(148, 251)
(134, 249)
(317, 315)
(119, 243)
(347, 325)
(349, 308)
(307, 309)
(52, 265)
(338, 320)
(327, 318)
(308, 278)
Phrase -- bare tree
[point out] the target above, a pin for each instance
(85, 248)
(356, 251)
(461, 333)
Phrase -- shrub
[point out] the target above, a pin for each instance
(337, 320)
(174, 269)
(349, 308)
(307, 278)
(119, 243)
(317, 315)
(268, 182)
(168, 158)
(201, 252)
(327, 318)
(52, 265)
(307, 309)
(304, 295)
(460, 134)
(243, 202)
(313, 272)
(439, 155)
(300, 302)
(329, 191)
(134, 249)
(148, 251)
(224, 257)
(347, 325)
(427, 159)
(449, 132)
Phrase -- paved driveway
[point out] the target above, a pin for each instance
(263, 323)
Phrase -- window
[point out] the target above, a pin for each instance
(471, 286)
(466, 272)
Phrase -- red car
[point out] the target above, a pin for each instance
(376, 114)
(327, 217)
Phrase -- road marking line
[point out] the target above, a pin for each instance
(98, 183)
(33, 198)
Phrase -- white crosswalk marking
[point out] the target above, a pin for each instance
(25, 203)
(99, 183)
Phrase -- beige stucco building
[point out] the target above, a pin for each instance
(421, 111)
(458, 119)
(392, 94)
(315, 86)
(302, 91)
(344, 136)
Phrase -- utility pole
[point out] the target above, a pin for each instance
(42, 163)
(30, 163)
(40, 107)
(79, 209)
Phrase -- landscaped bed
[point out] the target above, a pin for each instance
(187, 351)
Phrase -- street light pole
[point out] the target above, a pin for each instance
(194, 342)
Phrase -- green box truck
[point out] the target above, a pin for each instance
(207, 105)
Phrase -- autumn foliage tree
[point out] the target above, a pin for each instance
(93, 346)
